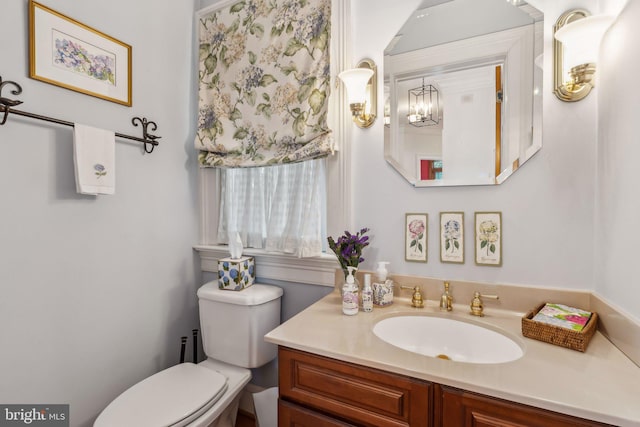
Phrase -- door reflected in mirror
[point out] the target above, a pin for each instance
(430, 168)
(463, 99)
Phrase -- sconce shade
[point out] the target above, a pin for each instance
(581, 39)
(356, 80)
(577, 37)
(362, 95)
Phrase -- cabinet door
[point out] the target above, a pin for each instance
(354, 393)
(292, 415)
(458, 408)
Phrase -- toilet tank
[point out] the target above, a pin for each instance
(234, 323)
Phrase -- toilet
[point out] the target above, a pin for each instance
(233, 325)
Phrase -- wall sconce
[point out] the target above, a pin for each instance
(577, 37)
(361, 83)
(424, 106)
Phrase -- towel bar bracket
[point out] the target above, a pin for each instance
(149, 140)
(6, 102)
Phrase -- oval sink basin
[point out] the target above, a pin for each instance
(447, 339)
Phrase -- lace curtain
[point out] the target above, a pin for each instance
(280, 208)
(264, 83)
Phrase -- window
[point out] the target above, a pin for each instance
(278, 208)
(316, 270)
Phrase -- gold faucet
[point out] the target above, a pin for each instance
(446, 299)
(476, 303)
(416, 298)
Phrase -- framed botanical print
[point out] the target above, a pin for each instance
(69, 54)
(415, 231)
(488, 238)
(452, 237)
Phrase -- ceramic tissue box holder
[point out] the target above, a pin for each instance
(236, 274)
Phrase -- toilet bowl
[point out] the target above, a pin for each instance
(207, 394)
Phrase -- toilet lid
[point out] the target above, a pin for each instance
(253, 295)
(171, 397)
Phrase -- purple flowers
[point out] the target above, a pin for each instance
(348, 248)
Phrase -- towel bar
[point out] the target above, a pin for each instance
(6, 104)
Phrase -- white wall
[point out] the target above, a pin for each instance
(96, 291)
(618, 199)
(547, 206)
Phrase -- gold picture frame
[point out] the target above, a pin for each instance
(488, 238)
(69, 54)
(452, 237)
(416, 237)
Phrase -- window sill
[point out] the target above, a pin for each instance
(274, 266)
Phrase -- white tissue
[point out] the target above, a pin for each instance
(235, 245)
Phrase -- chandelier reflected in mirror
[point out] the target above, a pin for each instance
(424, 106)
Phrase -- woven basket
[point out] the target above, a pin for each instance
(575, 340)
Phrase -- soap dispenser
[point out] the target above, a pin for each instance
(350, 294)
(381, 271)
(382, 287)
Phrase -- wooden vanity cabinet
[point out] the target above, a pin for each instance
(459, 408)
(317, 391)
(290, 414)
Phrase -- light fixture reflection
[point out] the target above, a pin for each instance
(424, 106)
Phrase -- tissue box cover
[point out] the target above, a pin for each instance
(236, 274)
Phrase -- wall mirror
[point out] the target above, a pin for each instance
(463, 92)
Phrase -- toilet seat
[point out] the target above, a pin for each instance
(173, 397)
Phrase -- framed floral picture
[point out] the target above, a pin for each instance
(69, 54)
(452, 237)
(415, 228)
(488, 238)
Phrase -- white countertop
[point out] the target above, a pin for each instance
(601, 384)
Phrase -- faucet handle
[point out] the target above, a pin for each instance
(416, 298)
(476, 303)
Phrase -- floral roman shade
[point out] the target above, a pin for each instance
(264, 83)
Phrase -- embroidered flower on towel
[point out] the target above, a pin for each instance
(100, 170)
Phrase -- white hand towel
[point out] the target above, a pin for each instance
(94, 156)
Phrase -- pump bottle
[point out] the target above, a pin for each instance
(367, 294)
(350, 294)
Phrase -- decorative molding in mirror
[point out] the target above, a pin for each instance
(483, 58)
